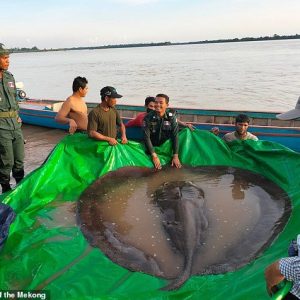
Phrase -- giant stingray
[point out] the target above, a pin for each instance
(185, 221)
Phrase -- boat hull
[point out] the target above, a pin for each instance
(263, 124)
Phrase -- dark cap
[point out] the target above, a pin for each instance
(3, 50)
(110, 92)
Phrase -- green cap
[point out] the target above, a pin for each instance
(3, 50)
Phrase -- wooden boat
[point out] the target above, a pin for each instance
(263, 124)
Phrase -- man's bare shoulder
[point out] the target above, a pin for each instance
(71, 100)
(75, 102)
(68, 102)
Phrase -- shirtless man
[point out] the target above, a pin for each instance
(74, 109)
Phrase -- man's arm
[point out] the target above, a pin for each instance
(147, 138)
(174, 136)
(185, 124)
(62, 116)
(149, 145)
(122, 128)
(175, 144)
(100, 137)
(137, 122)
(273, 276)
(123, 133)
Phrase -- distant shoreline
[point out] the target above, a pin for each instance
(136, 45)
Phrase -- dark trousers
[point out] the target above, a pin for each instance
(290, 296)
(11, 155)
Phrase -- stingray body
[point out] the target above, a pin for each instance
(182, 206)
(104, 236)
(162, 229)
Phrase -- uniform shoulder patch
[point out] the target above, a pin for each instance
(8, 73)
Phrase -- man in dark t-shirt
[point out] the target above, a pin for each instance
(104, 119)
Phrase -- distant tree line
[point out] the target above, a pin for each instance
(250, 39)
(245, 39)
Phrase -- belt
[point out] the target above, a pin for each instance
(8, 114)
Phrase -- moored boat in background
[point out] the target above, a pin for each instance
(264, 124)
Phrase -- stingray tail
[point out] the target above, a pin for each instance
(178, 282)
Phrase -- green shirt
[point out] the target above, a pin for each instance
(8, 101)
(104, 122)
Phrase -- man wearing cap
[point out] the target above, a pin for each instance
(11, 137)
(159, 126)
(291, 114)
(104, 119)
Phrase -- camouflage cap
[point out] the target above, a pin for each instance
(3, 50)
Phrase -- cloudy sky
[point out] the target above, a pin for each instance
(73, 23)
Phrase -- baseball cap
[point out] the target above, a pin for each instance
(3, 50)
(291, 114)
(110, 91)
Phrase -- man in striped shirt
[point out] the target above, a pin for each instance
(285, 268)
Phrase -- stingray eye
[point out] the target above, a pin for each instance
(178, 193)
(201, 194)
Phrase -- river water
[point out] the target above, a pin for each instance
(250, 75)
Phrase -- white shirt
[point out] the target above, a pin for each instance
(231, 136)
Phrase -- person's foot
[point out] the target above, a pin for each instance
(18, 180)
(5, 187)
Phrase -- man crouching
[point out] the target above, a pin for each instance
(159, 126)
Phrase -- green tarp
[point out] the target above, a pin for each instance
(46, 250)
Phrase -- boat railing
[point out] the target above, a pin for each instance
(195, 116)
(223, 117)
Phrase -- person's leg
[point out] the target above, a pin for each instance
(6, 159)
(18, 152)
(290, 296)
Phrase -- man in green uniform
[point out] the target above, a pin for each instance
(160, 125)
(104, 119)
(11, 137)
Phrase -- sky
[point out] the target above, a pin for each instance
(74, 23)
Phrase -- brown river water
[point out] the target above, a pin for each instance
(39, 143)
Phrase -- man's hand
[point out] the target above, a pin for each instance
(215, 130)
(19, 120)
(190, 126)
(124, 140)
(273, 276)
(175, 161)
(112, 141)
(72, 126)
(156, 161)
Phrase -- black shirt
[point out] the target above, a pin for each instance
(159, 129)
